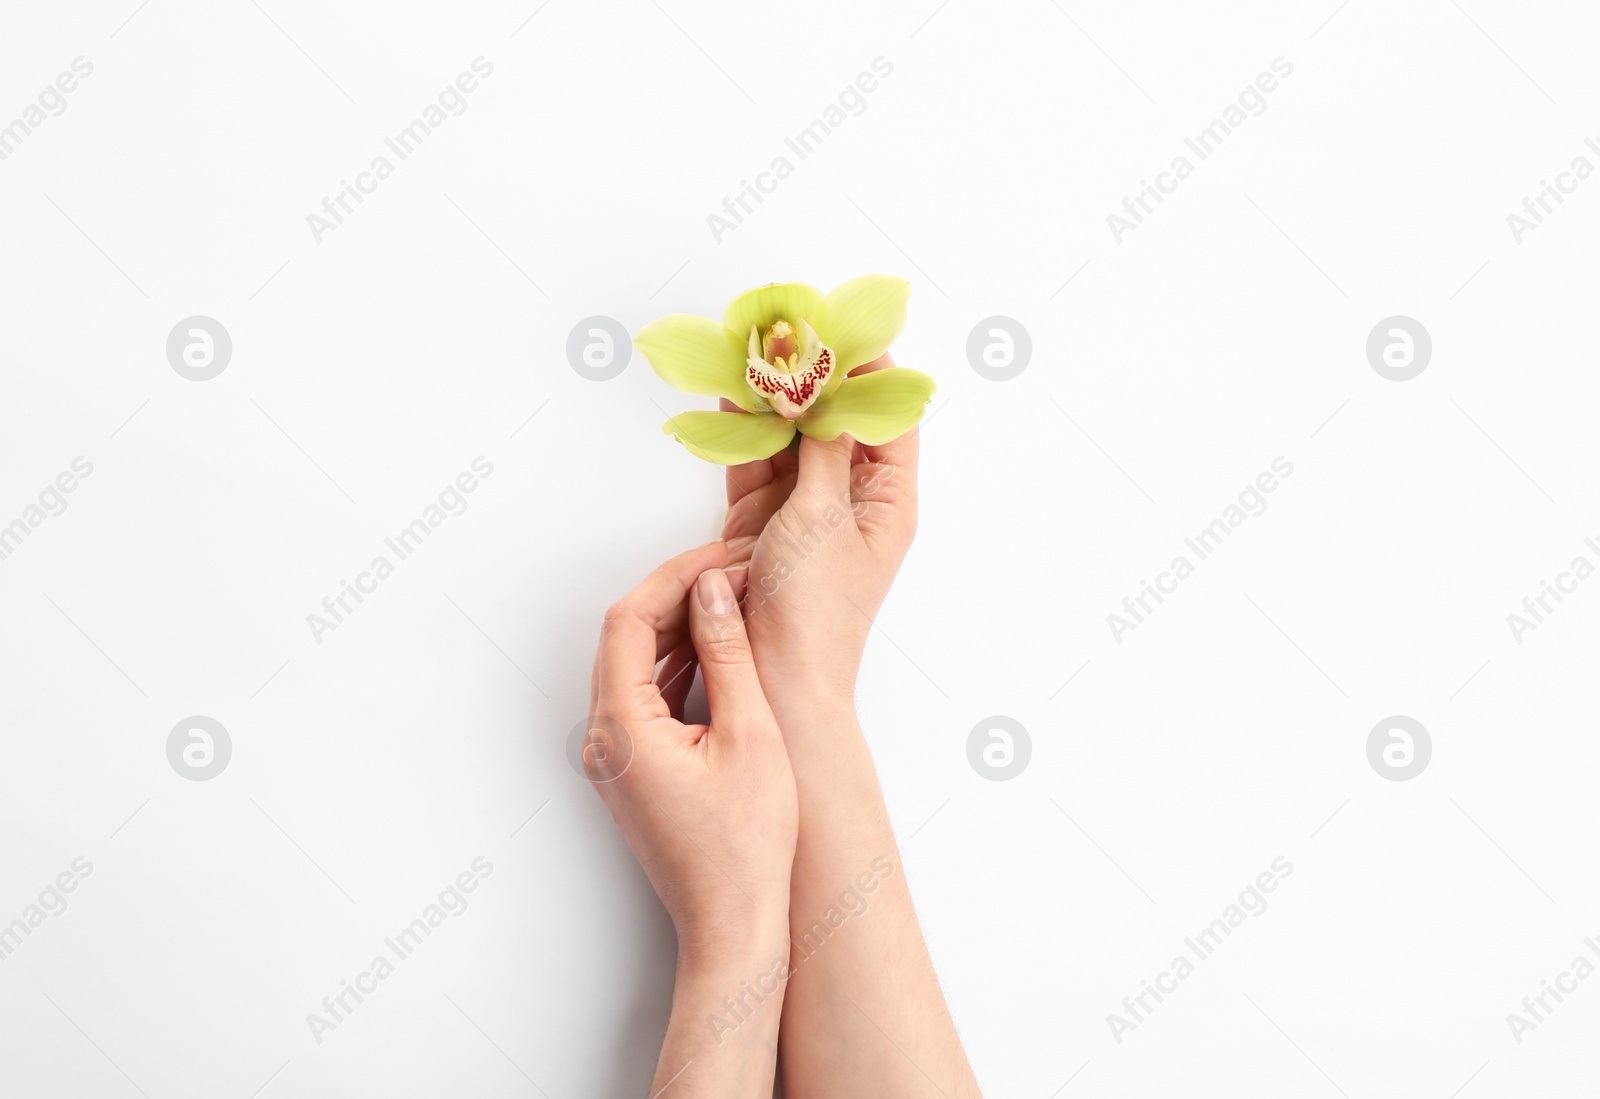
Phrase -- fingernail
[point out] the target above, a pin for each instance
(716, 596)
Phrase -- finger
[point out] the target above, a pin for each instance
(894, 463)
(732, 688)
(745, 478)
(831, 471)
(899, 454)
(672, 631)
(825, 467)
(631, 634)
(883, 493)
(747, 517)
(882, 362)
(676, 677)
(739, 580)
(785, 463)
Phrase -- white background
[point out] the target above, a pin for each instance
(369, 369)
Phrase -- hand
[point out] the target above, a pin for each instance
(709, 810)
(822, 534)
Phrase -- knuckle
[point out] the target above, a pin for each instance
(615, 615)
(723, 643)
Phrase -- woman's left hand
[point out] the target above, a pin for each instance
(709, 810)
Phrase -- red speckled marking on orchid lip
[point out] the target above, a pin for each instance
(799, 388)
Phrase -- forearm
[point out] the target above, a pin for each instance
(864, 1014)
(722, 1038)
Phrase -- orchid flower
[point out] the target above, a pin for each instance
(783, 353)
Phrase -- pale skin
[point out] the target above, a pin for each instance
(759, 829)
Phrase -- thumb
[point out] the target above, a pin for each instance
(825, 466)
(733, 690)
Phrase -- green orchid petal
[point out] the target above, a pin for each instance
(859, 319)
(791, 301)
(731, 438)
(698, 355)
(874, 408)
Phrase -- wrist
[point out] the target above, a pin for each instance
(733, 983)
(816, 676)
(722, 1037)
(822, 700)
(733, 949)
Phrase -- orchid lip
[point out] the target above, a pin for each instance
(788, 366)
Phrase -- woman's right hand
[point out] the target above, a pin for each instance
(823, 534)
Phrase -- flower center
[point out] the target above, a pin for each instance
(787, 367)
